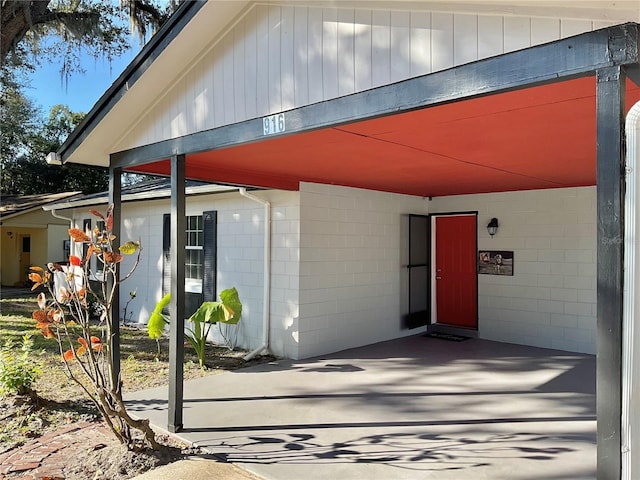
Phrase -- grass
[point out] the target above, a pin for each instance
(141, 368)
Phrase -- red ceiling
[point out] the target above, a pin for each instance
(540, 137)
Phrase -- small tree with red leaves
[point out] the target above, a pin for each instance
(65, 315)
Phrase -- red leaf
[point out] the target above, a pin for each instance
(81, 350)
(36, 269)
(75, 261)
(90, 251)
(68, 356)
(35, 278)
(40, 316)
(96, 213)
(47, 333)
(82, 342)
(78, 235)
(95, 339)
(54, 267)
(109, 222)
(112, 257)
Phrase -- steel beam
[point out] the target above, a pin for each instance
(115, 202)
(177, 305)
(610, 106)
(564, 59)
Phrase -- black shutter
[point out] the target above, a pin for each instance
(86, 227)
(210, 250)
(166, 254)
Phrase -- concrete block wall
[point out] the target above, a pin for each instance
(351, 268)
(241, 264)
(550, 301)
(240, 260)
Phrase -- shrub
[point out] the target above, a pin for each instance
(18, 368)
(67, 316)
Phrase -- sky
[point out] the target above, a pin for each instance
(48, 88)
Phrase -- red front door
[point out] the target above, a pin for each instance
(456, 278)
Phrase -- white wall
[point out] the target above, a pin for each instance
(240, 259)
(277, 57)
(56, 235)
(352, 269)
(550, 301)
(339, 256)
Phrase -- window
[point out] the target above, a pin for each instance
(200, 259)
(99, 266)
(194, 243)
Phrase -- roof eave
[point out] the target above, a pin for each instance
(130, 75)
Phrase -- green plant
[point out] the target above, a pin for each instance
(227, 310)
(18, 370)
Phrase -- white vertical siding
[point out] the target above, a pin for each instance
(287, 71)
(441, 41)
(517, 33)
(346, 52)
(250, 80)
(262, 59)
(400, 46)
(420, 43)
(280, 57)
(330, 53)
(363, 32)
(380, 45)
(465, 39)
(314, 54)
(300, 56)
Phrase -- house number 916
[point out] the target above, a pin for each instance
(273, 124)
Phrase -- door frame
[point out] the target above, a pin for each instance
(432, 278)
(416, 319)
(23, 266)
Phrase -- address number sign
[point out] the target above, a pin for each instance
(273, 124)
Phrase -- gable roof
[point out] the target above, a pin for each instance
(147, 77)
(437, 134)
(14, 205)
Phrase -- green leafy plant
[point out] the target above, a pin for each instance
(18, 370)
(66, 316)
(227, 310)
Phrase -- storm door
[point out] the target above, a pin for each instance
(419, 271)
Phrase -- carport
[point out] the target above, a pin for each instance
(404, 409)
(545, 117)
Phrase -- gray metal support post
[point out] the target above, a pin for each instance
(610, 95)
(177, 305)
(115, 201)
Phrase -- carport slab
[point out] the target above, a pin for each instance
(413, 408)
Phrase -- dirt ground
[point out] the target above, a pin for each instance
(38, 428)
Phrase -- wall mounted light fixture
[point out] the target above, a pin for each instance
(10, 234)
(492, 227)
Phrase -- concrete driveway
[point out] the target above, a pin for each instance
(413, 408)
